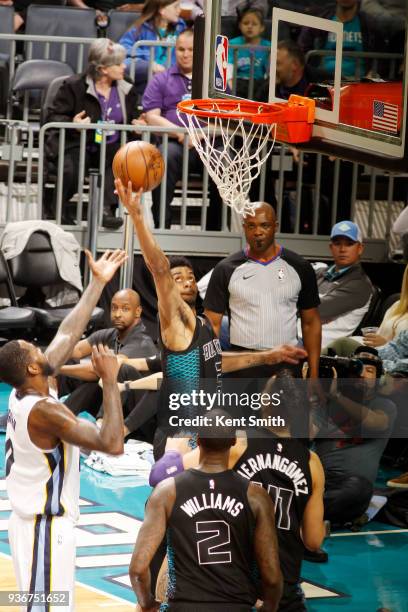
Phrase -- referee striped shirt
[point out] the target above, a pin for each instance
(262, 298)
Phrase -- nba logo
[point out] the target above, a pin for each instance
(212, 484)
(221, 62)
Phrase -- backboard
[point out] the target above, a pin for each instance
(354, 67)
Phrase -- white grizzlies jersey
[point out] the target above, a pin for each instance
(39, 482)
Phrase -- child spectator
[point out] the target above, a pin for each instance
(160, 20)
(251, 25)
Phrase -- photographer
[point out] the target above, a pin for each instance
(353, 430)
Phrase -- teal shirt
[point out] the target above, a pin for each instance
(261, 62)
(160, 53)
(352, 41)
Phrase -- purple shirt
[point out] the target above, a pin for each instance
(165, 91)
(111, 111)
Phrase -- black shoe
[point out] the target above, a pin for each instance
(111, 222)
(316, 556)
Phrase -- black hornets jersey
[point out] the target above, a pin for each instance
(185, 372)
(210, 544)
(281, 466)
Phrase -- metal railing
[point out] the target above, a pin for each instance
(301, 191)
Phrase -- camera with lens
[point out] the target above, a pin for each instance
(346, 367)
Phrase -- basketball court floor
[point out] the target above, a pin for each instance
(366, 570)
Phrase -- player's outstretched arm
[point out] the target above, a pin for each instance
(73, 326)
(151, 534)
(313, 529)
(266, 547)
(284, 353)
(173, 311)
(51, 421)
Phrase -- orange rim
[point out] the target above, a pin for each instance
(257, 112)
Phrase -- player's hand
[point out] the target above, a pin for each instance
(104, 269)
(105, 363)
(285, 353)
(131, 201)
(374, 340)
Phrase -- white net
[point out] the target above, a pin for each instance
(233, 151)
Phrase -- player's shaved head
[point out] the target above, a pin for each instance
(218, 435)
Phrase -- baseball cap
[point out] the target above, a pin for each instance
(347, 229)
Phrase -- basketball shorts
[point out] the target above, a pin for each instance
(43, 552)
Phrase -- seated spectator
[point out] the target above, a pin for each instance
(357, 425)
(160, 20)
(395, 319)
(292, 74)
(345, 290)
(251, 25)
(127, 338)
(160, 100)
(359, 35)
(98, 95)
(232, 8)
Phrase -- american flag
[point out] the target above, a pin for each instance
(385, 116)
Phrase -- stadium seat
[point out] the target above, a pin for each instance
(49, 96)
(35, 268)
(372, 315)
(119, 22)
(36, 75)
(12, 317)
(6, 27)
(61, 21)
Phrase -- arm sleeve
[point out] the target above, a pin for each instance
(139, 347)
(154, 363)
(99, 337)
(309, 295)
(344, 298)
(153, 94)
(217, 296)
(128, 40)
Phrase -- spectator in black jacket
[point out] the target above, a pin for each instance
(100, 94)
(360, 34)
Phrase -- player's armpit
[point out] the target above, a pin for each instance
(266, 547)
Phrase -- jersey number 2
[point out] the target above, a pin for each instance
(207, 547)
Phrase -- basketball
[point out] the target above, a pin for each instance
(139, 162)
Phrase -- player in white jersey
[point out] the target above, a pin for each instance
(42, 454)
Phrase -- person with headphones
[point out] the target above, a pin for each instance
(353, 432)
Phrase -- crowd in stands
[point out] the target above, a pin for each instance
(265, 295)
(163, 20)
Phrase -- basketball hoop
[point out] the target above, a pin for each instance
(247, 131)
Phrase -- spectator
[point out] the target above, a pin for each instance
(395, 354)
(127, 338)
(359, 35)
(190, 10)
(160, 20)
(292, 75)
(232, 8)
(251, 25)
(345, 290)
(394, 321)
(262, 288)
(356, 434)
(160, 101)
(388, 14)
(99, 94)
